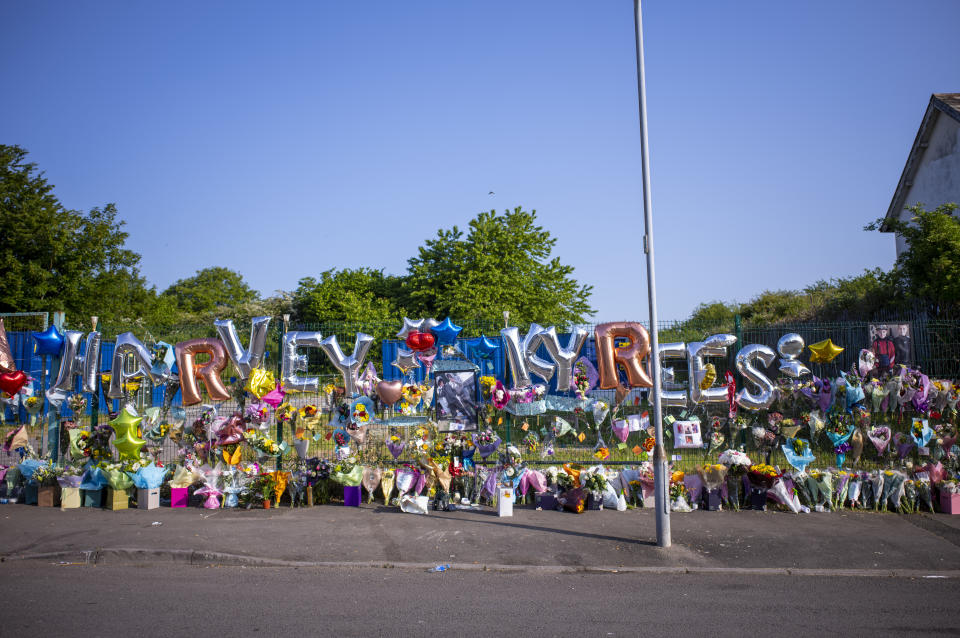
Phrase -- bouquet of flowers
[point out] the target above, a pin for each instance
(893, 489)
(257, 414)
(924, 491)
(487, 443)
(762, 475)
(264, 445)
(487, 384)
(880, 436)
(853, 490)
(77, 403)
(347, 472)
(395, 445)
(46, 475)
(713, 475)
(595, 483)
(679, 497)
(531, 442)
(581, 380)
(737, 465)
(500, 397)
(820, 484)
(798, 453)
(841, 483)
(839, 431)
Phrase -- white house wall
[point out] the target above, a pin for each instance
(937, 180)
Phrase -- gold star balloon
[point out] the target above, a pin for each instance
(824, 351)
(127, 439)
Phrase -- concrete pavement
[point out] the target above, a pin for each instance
(376, 535)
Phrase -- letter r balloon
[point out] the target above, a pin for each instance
(630, 357)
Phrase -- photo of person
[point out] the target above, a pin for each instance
(883, 346)
(902, 343)
(456, 399)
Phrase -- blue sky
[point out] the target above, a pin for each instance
(283, 139)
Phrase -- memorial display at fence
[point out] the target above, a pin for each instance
(564, 422)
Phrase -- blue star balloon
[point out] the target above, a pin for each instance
(485, 348)
(446, 332)
(48, 342)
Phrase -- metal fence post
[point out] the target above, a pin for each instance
(286, 321)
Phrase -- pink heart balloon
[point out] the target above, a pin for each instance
(389, 391)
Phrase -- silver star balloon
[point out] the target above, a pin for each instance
(406, 360)
(409, 325)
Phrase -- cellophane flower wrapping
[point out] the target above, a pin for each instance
(734, 490)
(924, 491)
(387, 478)
(841, 483)
(93, 478)
(892, 490)
(784, 495)
(117, 479)
(27, 468)
(70, 480)
(799, 480)
(798, 461)
(183, 477)
(908, 502)
(352, 478)
(714, 475)
(823, 482)
(853, 490)
(148, 477)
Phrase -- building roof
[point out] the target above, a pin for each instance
(940, 103)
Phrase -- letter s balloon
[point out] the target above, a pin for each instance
(766, 392)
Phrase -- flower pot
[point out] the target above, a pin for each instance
(758, 498)
(266, 503)
(595, 501)
(148, 499)
(351, 495)
(70, 498)
(949, 503)
(179, 496)
(505, 497)
(92, 498)
(48, 496)
(30, 492)
(117, 499)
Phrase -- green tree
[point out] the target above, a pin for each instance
(929, 269)
(210, 289)
(503, 263)
(361, 295)
(53, 258)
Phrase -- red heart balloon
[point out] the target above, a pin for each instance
(420, 341)
(11, 382)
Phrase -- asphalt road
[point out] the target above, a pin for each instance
(82, 600)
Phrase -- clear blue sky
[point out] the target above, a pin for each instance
(283, 139)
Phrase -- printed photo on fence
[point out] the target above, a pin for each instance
(686, 434)
(456, 400)
(892, 345)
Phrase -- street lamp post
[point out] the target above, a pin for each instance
(661, 483)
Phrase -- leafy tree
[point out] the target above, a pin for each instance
(929, 269)
(53, 258)
(361, 295)
(209, 289)
(503, 263)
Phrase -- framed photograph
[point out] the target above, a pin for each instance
(686, 434)
(892, 344)
(455, 397)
